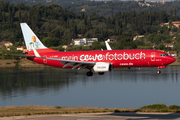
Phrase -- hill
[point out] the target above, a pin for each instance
(47, 2)
(107, 8)
(57, 26)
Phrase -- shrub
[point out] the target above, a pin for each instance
(116, 110)
(164, 110)
(29, 114)
(58, 107)
(155, 106)
(174, 107)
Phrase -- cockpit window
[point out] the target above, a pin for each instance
(163, 55)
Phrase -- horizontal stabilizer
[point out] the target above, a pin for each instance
(36, 53)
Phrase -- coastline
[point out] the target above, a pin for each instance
(40, 110)
(22, 63)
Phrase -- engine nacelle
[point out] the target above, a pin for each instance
(102, 67)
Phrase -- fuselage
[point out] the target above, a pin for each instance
(118, 58)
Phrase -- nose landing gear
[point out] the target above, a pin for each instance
(158, 72)
(160, 67)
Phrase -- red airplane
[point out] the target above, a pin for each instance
(100, 61)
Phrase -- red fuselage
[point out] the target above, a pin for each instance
(118, 58)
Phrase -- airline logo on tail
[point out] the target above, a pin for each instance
(30, 38)
(34, 43)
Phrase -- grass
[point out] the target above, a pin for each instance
(22, 63)
(177, 62)
(37, 110)
(174, 107)
(160, 108)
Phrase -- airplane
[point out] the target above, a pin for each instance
(100, 61)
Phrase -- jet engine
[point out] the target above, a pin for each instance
(102, 67)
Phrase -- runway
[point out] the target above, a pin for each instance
(100, 116)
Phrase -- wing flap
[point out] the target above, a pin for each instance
(71, 63)
(75, 64)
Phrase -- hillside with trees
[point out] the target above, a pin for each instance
(107, 8)
(57, 26)
(47, 2)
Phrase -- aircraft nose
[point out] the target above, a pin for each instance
(171, 59)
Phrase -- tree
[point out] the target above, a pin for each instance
(161, 47)
(174, 29)
(163, 29)
(48, 41)
(163, 16)
(175, 11)
(4, 52)
(178, 39)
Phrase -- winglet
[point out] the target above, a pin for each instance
(36, 53)
(107, 46)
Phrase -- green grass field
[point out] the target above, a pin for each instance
(22, 63)
(36, 110)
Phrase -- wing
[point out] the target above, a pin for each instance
(74, 64)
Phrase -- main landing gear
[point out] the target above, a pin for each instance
(89, 73)
(101, 73)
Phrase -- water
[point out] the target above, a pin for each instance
(64, 87)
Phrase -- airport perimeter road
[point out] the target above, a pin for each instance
(100, 116)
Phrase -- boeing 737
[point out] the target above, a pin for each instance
(99, 61)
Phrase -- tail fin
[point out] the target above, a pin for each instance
(107, 46)
(31, 40)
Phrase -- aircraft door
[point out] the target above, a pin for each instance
(45, 60)
(153, 56)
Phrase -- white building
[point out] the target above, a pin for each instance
(111, 40)
(79, 41)
(89, 41)
(83, 41)
(137, 37)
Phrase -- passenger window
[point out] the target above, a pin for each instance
(163, 55)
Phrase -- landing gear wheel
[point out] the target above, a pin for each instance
(101, 73)
(89, 73)
(158, 72)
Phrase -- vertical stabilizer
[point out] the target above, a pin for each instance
(31, 40)
(107, 46)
